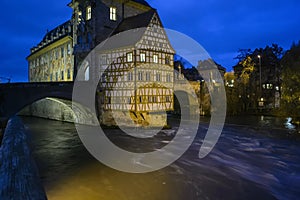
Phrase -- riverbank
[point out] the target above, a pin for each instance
(295, 120)
(19, 178)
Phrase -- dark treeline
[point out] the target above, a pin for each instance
(265, 79)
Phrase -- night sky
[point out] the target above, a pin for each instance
(221, 27)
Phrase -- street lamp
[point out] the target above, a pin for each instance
(261, 100)
(260, 85)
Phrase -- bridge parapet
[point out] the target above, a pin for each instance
(35, 85)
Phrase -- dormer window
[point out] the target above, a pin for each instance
(113, 13)
(88, 13)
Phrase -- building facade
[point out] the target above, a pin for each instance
(136, 78)
(52, 59)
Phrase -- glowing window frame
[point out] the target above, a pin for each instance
(113, 13)
(143, 57)
(88, 13)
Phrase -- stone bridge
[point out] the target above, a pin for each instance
(15, 96)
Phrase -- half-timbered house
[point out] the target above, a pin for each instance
(137, 71)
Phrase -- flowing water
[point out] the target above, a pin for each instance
(255, 158)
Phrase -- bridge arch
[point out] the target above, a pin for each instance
(59, 109)
(16, 96)
(188, 104)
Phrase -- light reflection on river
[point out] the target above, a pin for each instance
(247, 163)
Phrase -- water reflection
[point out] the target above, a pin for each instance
(288, 124)
(99, 182)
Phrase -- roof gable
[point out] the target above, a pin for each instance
(137, 31)
(155, 37)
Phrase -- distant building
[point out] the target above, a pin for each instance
(212, 71)
(206, 71)
(146, 65)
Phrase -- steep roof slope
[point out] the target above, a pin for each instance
(138, 21)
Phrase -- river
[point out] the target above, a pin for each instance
(255, 158)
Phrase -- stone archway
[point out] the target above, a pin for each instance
(59, 109)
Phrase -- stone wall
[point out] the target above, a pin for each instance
(128, 118)
(19, 178)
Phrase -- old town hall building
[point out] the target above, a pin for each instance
(145, 65)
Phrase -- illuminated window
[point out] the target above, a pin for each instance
(113, 13)
(130, 76)
(79, 16)
(155, 58)
(140, 76)
(143, 57)
(129, 57)
(69, 49)
(88, 13)
(148, 76)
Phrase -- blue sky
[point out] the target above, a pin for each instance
(221, 27)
